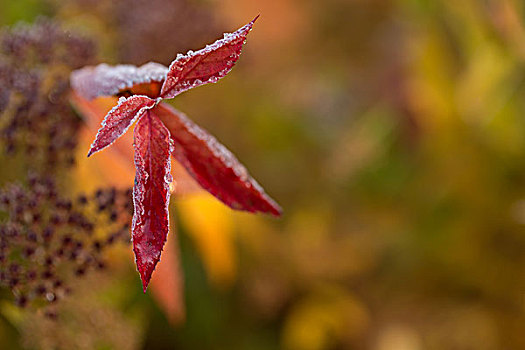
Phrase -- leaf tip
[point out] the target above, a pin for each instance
(276, 210)
(144, 286)
(145, 277)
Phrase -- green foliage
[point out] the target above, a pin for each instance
(394, 142)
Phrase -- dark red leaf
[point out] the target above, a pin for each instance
(105, 80)
(213, 166)
(119, 119)
(163, 131)
(151, 193)
(207, 65)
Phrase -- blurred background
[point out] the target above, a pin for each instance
(392, 132)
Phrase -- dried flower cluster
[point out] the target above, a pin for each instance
(85, 322)
(48, 238)
(35, 116)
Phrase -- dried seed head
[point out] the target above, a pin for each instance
(39, 257)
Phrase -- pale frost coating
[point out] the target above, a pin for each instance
(204, 66)
(150, 223)
(106, 80)
(217, 148)
(118, 120)
(214, 167)
(194, 147)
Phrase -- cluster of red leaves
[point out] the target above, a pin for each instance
(163, 132)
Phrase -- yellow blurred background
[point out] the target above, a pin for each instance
(392, 132)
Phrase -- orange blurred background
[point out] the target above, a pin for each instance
(392, 132)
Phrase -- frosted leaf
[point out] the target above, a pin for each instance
(163, 131)
(150, 193)
(119, 119)
(212, 165)
(206, 65)
(104, 80)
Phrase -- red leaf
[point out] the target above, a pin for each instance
(119, 119)
(104, 80)
(213, 166)
(207, 65)
(150, 193)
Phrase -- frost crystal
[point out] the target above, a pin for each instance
(214, 167)
(119, 119)
(162, 132)
(151, 193)
(206, 65)
(106, 80)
